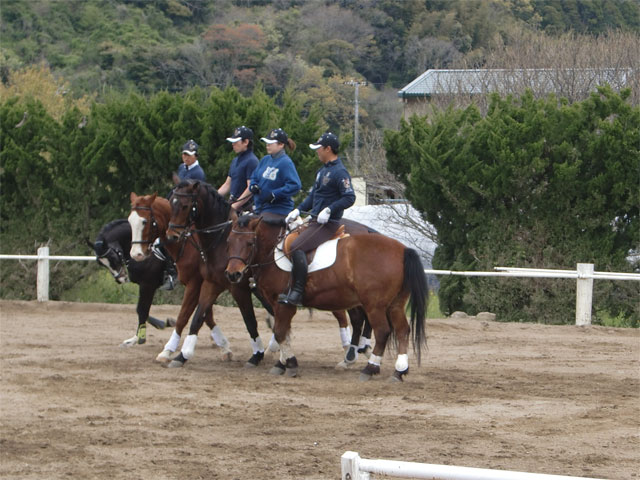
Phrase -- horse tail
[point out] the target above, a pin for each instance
(415, 281)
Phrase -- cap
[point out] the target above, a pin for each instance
(190, 148)
(277, 135)
(326, 140)
(241, 133)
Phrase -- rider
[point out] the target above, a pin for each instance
(275, 181)
(189, 169)
(331, 194)
(242, 166)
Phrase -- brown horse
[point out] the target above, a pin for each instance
(149, 220)
(373, 271)
(198, 208)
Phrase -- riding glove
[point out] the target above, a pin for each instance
(323, 216)
(293, 214)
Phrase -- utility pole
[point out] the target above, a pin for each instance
(355, 125)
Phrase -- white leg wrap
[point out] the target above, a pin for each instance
(219, 337)
(285, 350)
(402, 363)
(256, 345)
(364, 342)
(273, 345)
(345, 336)
(189, 346)
(373, 359)
(174, 341)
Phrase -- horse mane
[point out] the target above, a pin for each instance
(243, 220)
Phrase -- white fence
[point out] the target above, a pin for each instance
(356, 468)
(584, 275)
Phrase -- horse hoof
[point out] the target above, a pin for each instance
(369, 371)
(292, 367)
(278, 369)
(129, 342)
(255, 360)
(164, 356)
(344, 365)
(142, 340)
(397, 376)
(227, 356)
(365, 377)
(155, 323)
(170, 322)
(176, 363)
(292, 372)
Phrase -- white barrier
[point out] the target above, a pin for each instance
(584, 274)
(356, 468)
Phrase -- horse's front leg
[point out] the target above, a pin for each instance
(208, 295)
(218, 337)
(357, 317)
(145, 299)
(189, 302)
(282, 326)
(242, 295)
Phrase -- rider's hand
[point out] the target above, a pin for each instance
(255, 189)
(323, 216)
(293, 214)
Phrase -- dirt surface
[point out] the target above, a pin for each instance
(549, 399)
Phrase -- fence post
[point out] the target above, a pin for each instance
(349, 463)
(42, 284)
(584, 294)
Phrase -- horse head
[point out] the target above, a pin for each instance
(109, 253)
(186, 205)
(241, 246)
(148, 222)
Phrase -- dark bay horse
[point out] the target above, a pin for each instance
(201, 259)
(111, 248)
(196, 207)
(373, 271)
(148, 220)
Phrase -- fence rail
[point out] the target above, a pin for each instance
(584, 275)
(356, 468)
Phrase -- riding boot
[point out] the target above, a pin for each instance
(298, 280)
(170, 273)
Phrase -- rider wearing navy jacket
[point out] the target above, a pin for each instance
(275, 181)
(190, 167)
(331, 194)
(241, 169)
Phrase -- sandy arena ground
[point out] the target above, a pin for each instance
(549, 399)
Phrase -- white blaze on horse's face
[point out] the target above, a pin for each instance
(137, 227)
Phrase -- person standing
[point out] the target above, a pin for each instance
(275, 181)
(331, 194)
(241, 169)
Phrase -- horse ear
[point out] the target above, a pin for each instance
(133, 197)
(176, 178)
(153, 197)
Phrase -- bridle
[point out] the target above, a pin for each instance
(187, 230)
(154, 226)
(123, 262)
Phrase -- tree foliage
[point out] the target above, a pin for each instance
(534, 183)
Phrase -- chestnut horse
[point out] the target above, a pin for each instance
(149, 220)
(198, 208)
(373, 271)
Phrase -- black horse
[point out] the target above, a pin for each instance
(112, 247)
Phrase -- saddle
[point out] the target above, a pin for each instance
(323, 257)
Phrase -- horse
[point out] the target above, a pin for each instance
(374, 271)
(143, 219)
(149, 220)
(198, 208)
(111, 248)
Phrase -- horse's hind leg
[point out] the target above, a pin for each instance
(242, 296)
(398, 319)
(357, 317)
(145, 298)
(381, 331)
(219, 339)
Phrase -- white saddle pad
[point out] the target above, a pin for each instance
(325, 256)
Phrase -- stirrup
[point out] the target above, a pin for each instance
(291, 298)
(169, 283)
